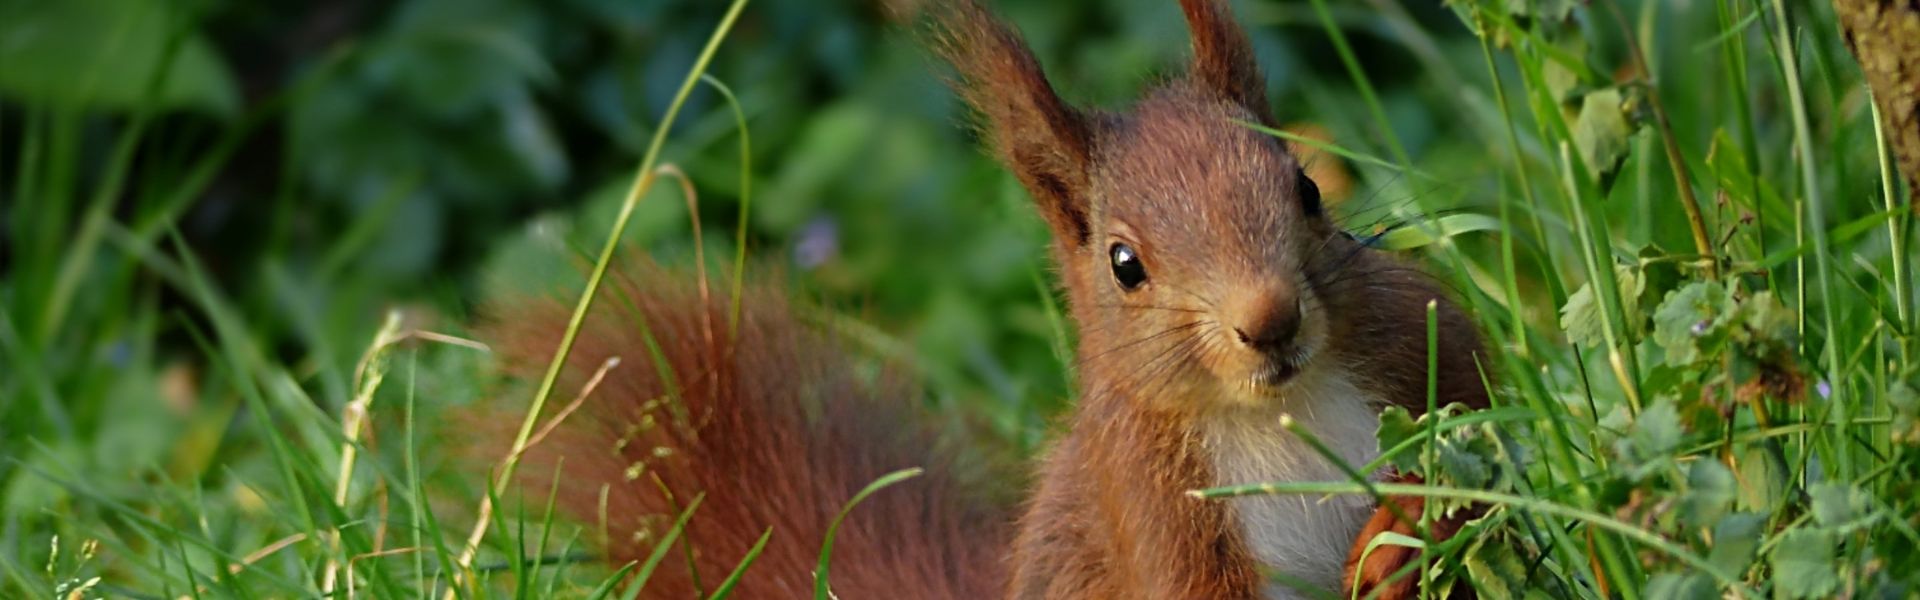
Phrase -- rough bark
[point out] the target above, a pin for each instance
(1884, 35)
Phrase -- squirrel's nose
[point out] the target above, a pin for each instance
(1272, 329)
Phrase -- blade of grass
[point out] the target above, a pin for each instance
(1816, 222)
(1727, 580)
(642, 182)
(661, 549)
(746, 199)
(821, 590)
(606, 587)
(1362, 83)
(726, 586)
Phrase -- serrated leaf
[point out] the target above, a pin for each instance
(1464, 464)
(1710, 490)
(1582, 315)
(1836, 504)
(1803, 564)
(1656, 431)
(1735, 540)
(1396, 427)
(1691, 321)
(1601, 131)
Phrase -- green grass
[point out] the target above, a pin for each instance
(1698, 394)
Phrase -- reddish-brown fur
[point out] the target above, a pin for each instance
(772, 425)
(777, 432)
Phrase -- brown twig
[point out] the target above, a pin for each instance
(1682, 179)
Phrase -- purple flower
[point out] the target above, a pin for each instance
(1825, 389)
(817, 243)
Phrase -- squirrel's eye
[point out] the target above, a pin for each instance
(1309, 195)
(1127, 270)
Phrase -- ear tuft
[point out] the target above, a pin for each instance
(1223, 57)
(1047, 143)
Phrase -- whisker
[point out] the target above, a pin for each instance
(1150, 374)
(1151, 307)
(1088, 360)
(1202, 299)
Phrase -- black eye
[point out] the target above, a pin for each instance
(1127, 269)
(1309, 195)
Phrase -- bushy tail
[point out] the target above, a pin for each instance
(770, 422)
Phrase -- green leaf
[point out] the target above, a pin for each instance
(1463, 463)
(1736, 538)
(1681, 586)
(1766, 325)
(1803, 564)
(1417, 235)
(1396, 427)
(1763, 479)
(1601, 130)
(1496, 572)
(1656, 433)
(1710, 490)
(1906, 412)
(1563, 81)
(1836, 504)
(105, 53)
(1691, 323)
(1581, 316)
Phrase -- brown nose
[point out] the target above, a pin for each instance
(1271, 328)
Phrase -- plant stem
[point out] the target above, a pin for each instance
(643, 180)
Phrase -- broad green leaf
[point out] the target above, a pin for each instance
(1656, 432)
(1681, 586)
(1691, 322)
(1581, 316)
(1763, 479)
(1562, 81)
(1710, 490)
(1396, 427)
(1803, 564)
(1834, 504)
(1735, 540)
(1601, 131)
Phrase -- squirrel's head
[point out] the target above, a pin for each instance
(1195, 251)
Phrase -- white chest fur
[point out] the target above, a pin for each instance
(1305, 537)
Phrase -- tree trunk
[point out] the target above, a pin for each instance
(1884, 35)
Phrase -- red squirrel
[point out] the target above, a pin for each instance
(1212, 295)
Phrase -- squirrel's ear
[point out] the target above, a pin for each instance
(1047, 144)
(1223, 58)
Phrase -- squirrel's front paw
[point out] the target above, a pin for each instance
(1377, 574)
